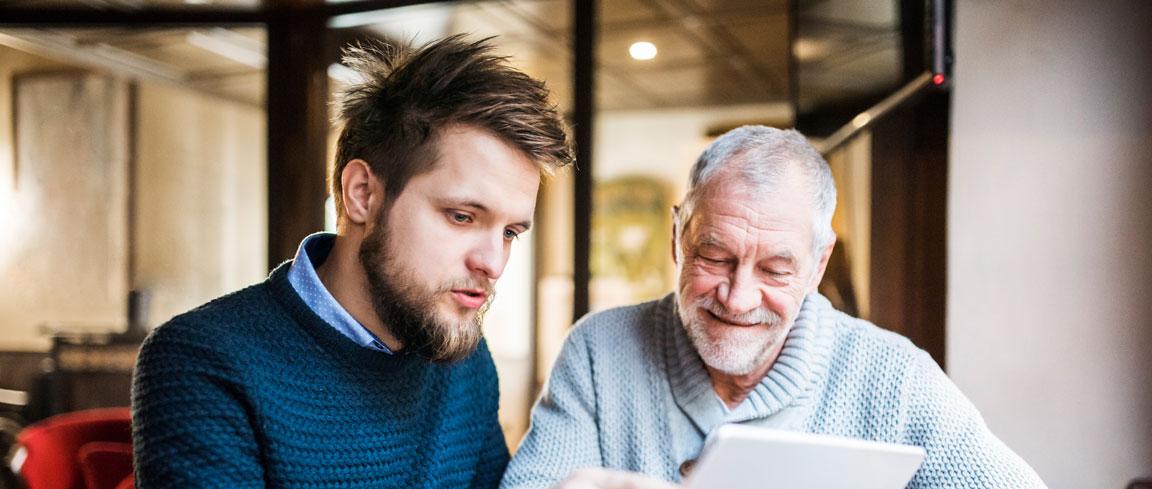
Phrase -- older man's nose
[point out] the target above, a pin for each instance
(739, 295)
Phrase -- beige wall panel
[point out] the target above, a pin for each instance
(201, 213)
(1049, 297)
(64, 255)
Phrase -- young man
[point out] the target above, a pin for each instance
(360, 362)
(746, 338)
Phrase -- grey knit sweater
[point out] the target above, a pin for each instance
(629, 392)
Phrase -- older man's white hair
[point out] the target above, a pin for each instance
(761, 158)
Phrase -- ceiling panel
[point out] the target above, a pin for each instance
(763, 37)
(710, 51)
(616, 12)
(721, 6)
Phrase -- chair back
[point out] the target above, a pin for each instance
(53, 448)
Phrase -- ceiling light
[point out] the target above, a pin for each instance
(642, 50)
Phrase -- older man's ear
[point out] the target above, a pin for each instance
(821, 266)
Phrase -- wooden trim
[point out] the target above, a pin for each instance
(152, 17)
(909, 204)
(297, 131)
(584, 109)
(909, 221)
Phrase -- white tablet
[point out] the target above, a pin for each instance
(749, 457)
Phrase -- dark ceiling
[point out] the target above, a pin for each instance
(710, 52)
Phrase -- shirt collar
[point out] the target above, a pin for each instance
(302, 275)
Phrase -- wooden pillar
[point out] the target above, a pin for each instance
(584, 110)
(909, 205)
(297, 128)
(909, 214)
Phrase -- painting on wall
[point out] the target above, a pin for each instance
(631, 236)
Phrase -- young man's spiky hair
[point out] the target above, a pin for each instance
(406, 96)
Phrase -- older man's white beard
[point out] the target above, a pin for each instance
(736, 353)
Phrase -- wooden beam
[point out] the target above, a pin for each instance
(909, 206)
(297, 81)
(149, 17)
(583, 114)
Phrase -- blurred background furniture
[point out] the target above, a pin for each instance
(90, 371)
(89, 449)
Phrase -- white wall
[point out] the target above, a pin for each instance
(1050, 217)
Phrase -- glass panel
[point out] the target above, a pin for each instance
(535, 36)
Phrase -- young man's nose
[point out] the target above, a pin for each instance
(488, 256)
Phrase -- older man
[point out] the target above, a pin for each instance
(747, 339)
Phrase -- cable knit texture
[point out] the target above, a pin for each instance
(254, 390)
(630, 392)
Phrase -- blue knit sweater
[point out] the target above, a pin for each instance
(254, 390)
(630, 392)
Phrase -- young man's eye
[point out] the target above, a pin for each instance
(510, 234)
(460, 217)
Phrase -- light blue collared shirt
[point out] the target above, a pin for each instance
(302, 275)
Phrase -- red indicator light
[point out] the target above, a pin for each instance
(938, 79)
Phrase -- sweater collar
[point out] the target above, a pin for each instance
(802, 362)
(328, 337)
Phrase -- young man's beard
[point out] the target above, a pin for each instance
(408, 309)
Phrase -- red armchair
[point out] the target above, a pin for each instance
(89, 449)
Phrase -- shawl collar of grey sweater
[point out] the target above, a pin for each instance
(797, 371)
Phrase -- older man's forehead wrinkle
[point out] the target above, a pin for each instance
(746, 218)
(742, 230)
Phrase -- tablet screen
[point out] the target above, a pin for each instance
(749, 457)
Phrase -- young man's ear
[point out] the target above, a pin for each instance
(360, 192)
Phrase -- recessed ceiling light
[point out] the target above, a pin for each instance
(642, 50)
(197, 2)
